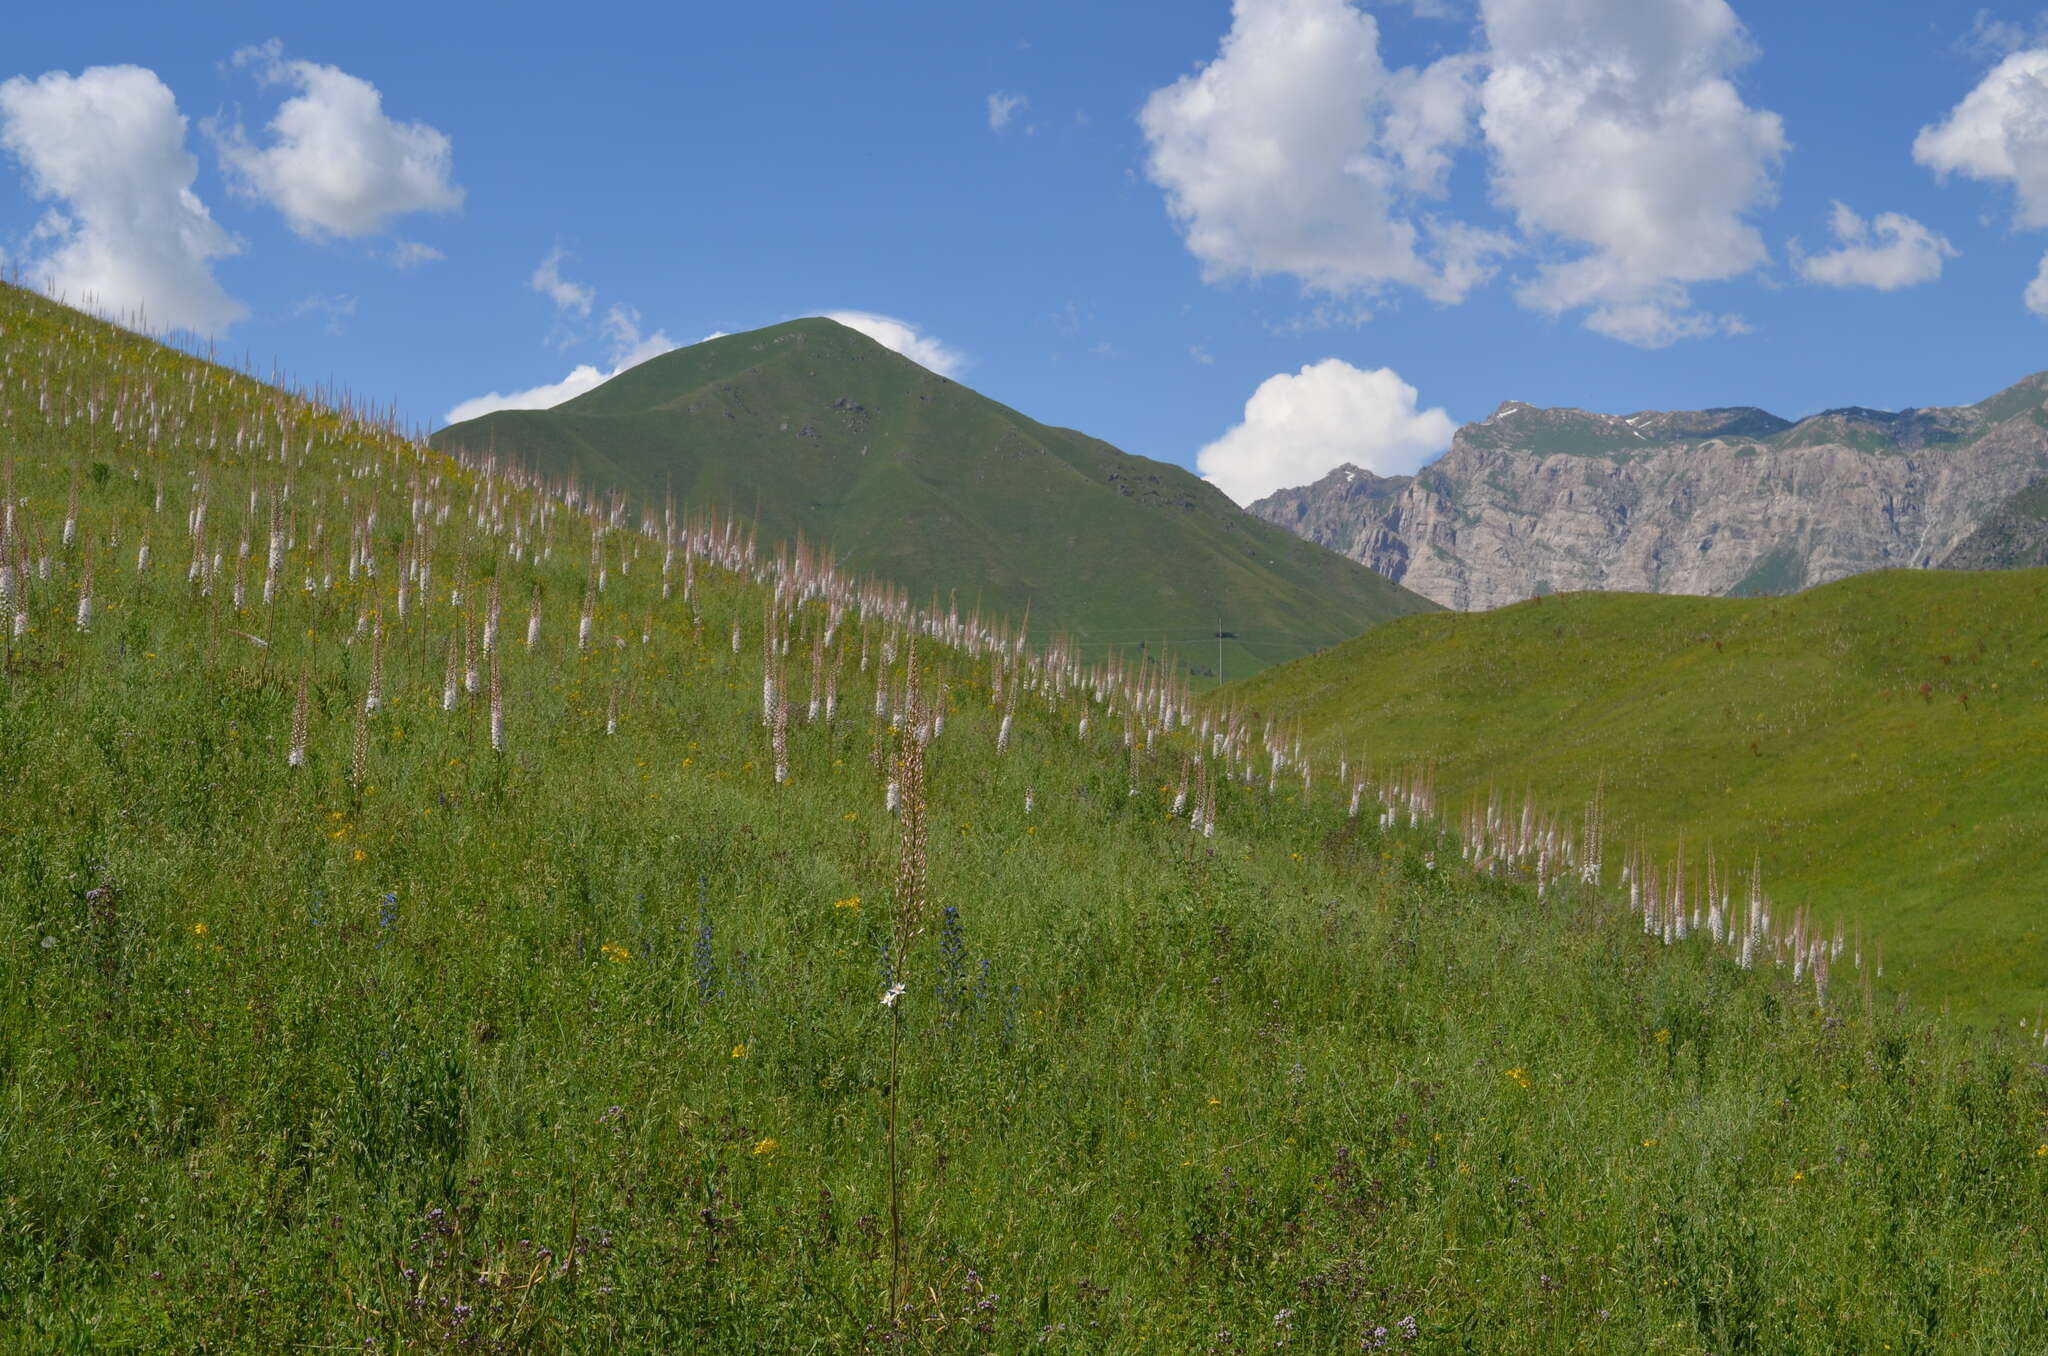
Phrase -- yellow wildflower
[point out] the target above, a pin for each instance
(766, 1147)
(1519, 1077)
(199, 929)
(614, 953)
(1663, 1038)
(740, 1051)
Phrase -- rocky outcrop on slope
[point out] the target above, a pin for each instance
(2013, 537)
(1726, 501)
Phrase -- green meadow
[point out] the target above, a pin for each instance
(1878, 742)
(384, 969)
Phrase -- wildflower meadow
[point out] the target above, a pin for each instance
(442, 909)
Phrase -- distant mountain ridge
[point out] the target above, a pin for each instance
(812, 428)
(1733, 500)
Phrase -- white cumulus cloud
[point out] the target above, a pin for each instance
(583, 377)
(1999, 133)
(1616, 138)
(1613, 126)
(629, 348)
(129, 235)
(904, 338)
(1888, 253)
(1296, 151)
(335, 165)
(1297, 427)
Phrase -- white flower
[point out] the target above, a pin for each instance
(895, 992)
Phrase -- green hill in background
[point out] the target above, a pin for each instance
(1880, 741)
(812, 428)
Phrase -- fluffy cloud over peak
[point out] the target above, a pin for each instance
(131, 236)
(628, 348)
(1298, 427)
(1296, 151)
(1614, 126)
(336, 165)
(905, 338)
(1889, 253)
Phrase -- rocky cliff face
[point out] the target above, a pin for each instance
(2014, 536)
(1726, 501)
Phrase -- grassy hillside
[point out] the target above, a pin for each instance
(810, 428)
(543, 1011)
(1878, 741)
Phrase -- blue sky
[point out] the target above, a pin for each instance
(1292, 232)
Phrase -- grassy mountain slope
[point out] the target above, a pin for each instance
(812, 428)
(560, 1032)
(1877, 740)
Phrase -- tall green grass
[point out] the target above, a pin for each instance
(580, 1045)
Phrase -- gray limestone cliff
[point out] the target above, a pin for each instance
(2013, 536)
(1725, 501)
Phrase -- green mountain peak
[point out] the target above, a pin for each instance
(815, 430)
